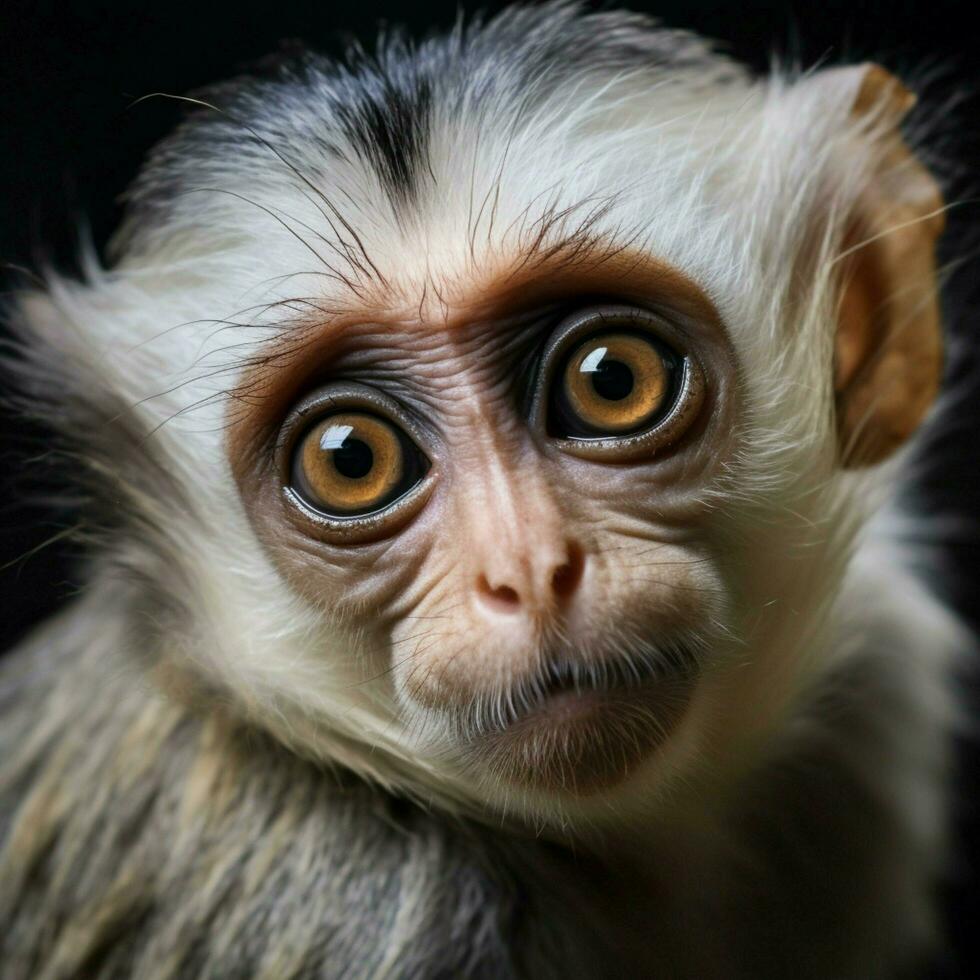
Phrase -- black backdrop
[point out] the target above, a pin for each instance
(69, 72)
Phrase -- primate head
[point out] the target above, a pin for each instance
(497, 417)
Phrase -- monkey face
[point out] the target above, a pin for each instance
(514, 485)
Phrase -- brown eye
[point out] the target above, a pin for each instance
(613, 384)
(352, 463)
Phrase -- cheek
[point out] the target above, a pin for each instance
(662, 589)
(444, 652)
(373, 585)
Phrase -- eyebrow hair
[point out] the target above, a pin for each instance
(580, 249)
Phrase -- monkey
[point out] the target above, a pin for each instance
(489, 451)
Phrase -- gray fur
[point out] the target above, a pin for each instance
(141, 837)
(144, 839)
(378, 108)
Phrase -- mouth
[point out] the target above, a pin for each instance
(564, 677)
(579, 728)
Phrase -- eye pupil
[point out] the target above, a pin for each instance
(354, 459)
(612, 380)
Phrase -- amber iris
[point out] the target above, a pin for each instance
(353, 463)
(614, 384)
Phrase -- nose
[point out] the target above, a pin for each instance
(531, 582)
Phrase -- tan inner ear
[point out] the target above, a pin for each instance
(888, 350)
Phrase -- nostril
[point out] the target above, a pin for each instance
(500, 597)
(566, 578)
(544, 586)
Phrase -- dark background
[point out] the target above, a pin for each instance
(71, 142)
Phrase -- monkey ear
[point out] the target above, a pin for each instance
(888, 348)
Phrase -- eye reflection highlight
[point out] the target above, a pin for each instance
(334, 437)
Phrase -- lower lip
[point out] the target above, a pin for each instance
(582, 742)
(570, 706)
